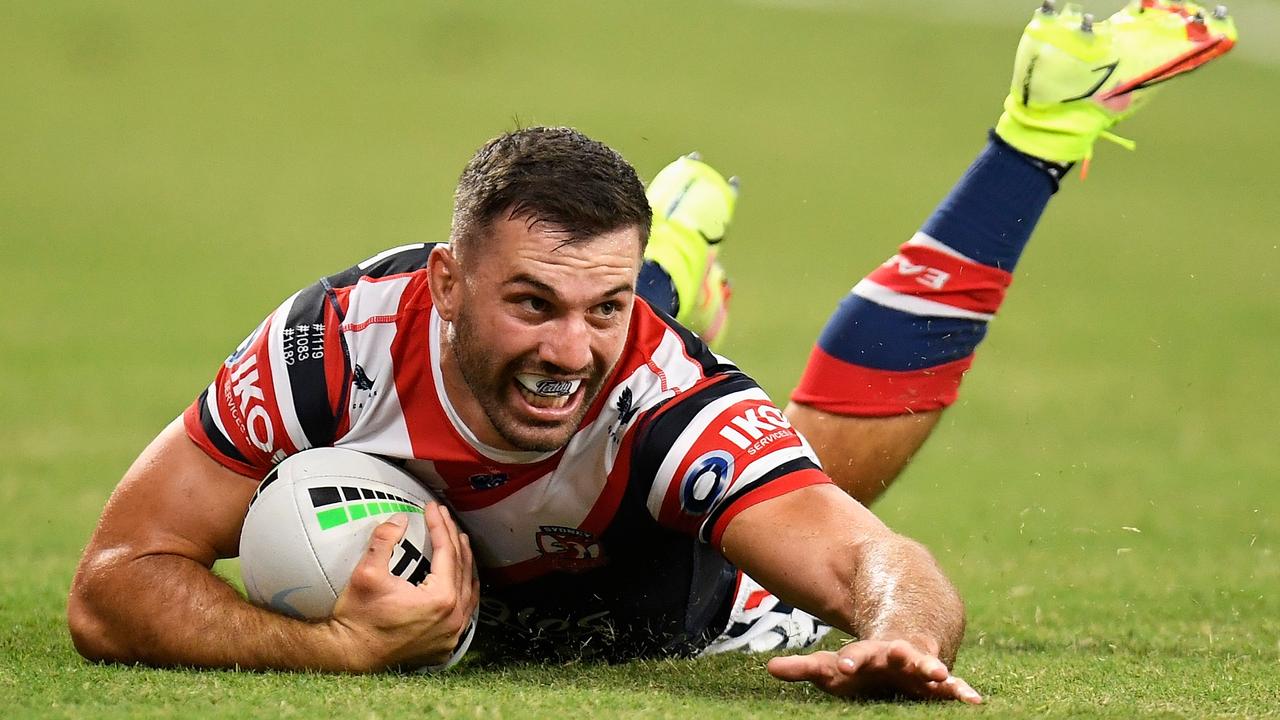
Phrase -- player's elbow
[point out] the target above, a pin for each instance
(92, 631)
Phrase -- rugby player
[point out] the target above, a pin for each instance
(625, 491)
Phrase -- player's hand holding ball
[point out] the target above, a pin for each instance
(389, 622)
(349, 539)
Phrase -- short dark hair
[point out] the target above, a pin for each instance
(555, 175)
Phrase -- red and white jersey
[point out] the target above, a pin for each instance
(677, 442)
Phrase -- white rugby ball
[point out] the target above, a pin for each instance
(310, 522)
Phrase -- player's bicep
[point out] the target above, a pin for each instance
(717, 450)
(174, 500)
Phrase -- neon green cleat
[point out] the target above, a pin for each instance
(692, 207)
(1073, 78)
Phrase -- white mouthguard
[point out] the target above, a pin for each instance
(547, 387)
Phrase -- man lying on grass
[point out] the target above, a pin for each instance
(531, 373)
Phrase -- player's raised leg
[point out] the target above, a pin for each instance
(893, 355)
(682, 276)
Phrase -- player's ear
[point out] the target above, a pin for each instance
(445, 275)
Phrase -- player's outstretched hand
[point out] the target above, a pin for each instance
(388, 622)
(875, 669)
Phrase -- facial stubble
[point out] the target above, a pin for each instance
(489, 383)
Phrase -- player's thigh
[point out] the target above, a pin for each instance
(863, 454)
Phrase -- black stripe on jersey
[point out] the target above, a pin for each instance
(786, 468)
(694, 346)
(307, 381)
(332, 297)
(215, 435)
(658, 437)
(410, 258)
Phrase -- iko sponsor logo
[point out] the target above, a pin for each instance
(705, 481)
(756, 428)
(930, 277)
(249, 399)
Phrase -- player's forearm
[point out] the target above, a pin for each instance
(899, 592)
(169, 610)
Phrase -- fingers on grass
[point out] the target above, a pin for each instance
(953, 688)
(799, 668)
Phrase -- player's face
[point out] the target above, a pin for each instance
(538, 327)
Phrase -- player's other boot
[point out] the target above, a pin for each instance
(760, 622)
(1074, 78)
(692, 207)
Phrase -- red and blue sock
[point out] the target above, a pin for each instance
(904, 337)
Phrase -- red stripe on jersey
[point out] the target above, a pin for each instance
(195, 431)
(336, 372)
(770, 490)
(838, 387)
(931, 274)
(595, 523)
(615, 486)
(464, 495)
(357, 327)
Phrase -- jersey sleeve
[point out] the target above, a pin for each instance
(282, 390)
(273, 396)
(715, 450)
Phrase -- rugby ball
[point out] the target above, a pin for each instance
(310, 522)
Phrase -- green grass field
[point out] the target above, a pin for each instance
(1106, 494)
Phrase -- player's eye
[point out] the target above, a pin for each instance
(608, 309)
(535, 304)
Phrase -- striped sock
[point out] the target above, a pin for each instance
(902, 340)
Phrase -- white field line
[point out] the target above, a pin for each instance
(1258, 20)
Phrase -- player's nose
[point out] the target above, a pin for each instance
(567, 345)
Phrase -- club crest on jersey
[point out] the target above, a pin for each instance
(705, 481)
(626, 410)
(569, 549)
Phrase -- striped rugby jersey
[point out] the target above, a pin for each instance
(604, 547)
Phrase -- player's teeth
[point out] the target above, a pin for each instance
(540, 401)
(1086, 22)
(1220, 12)
(549, 387)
